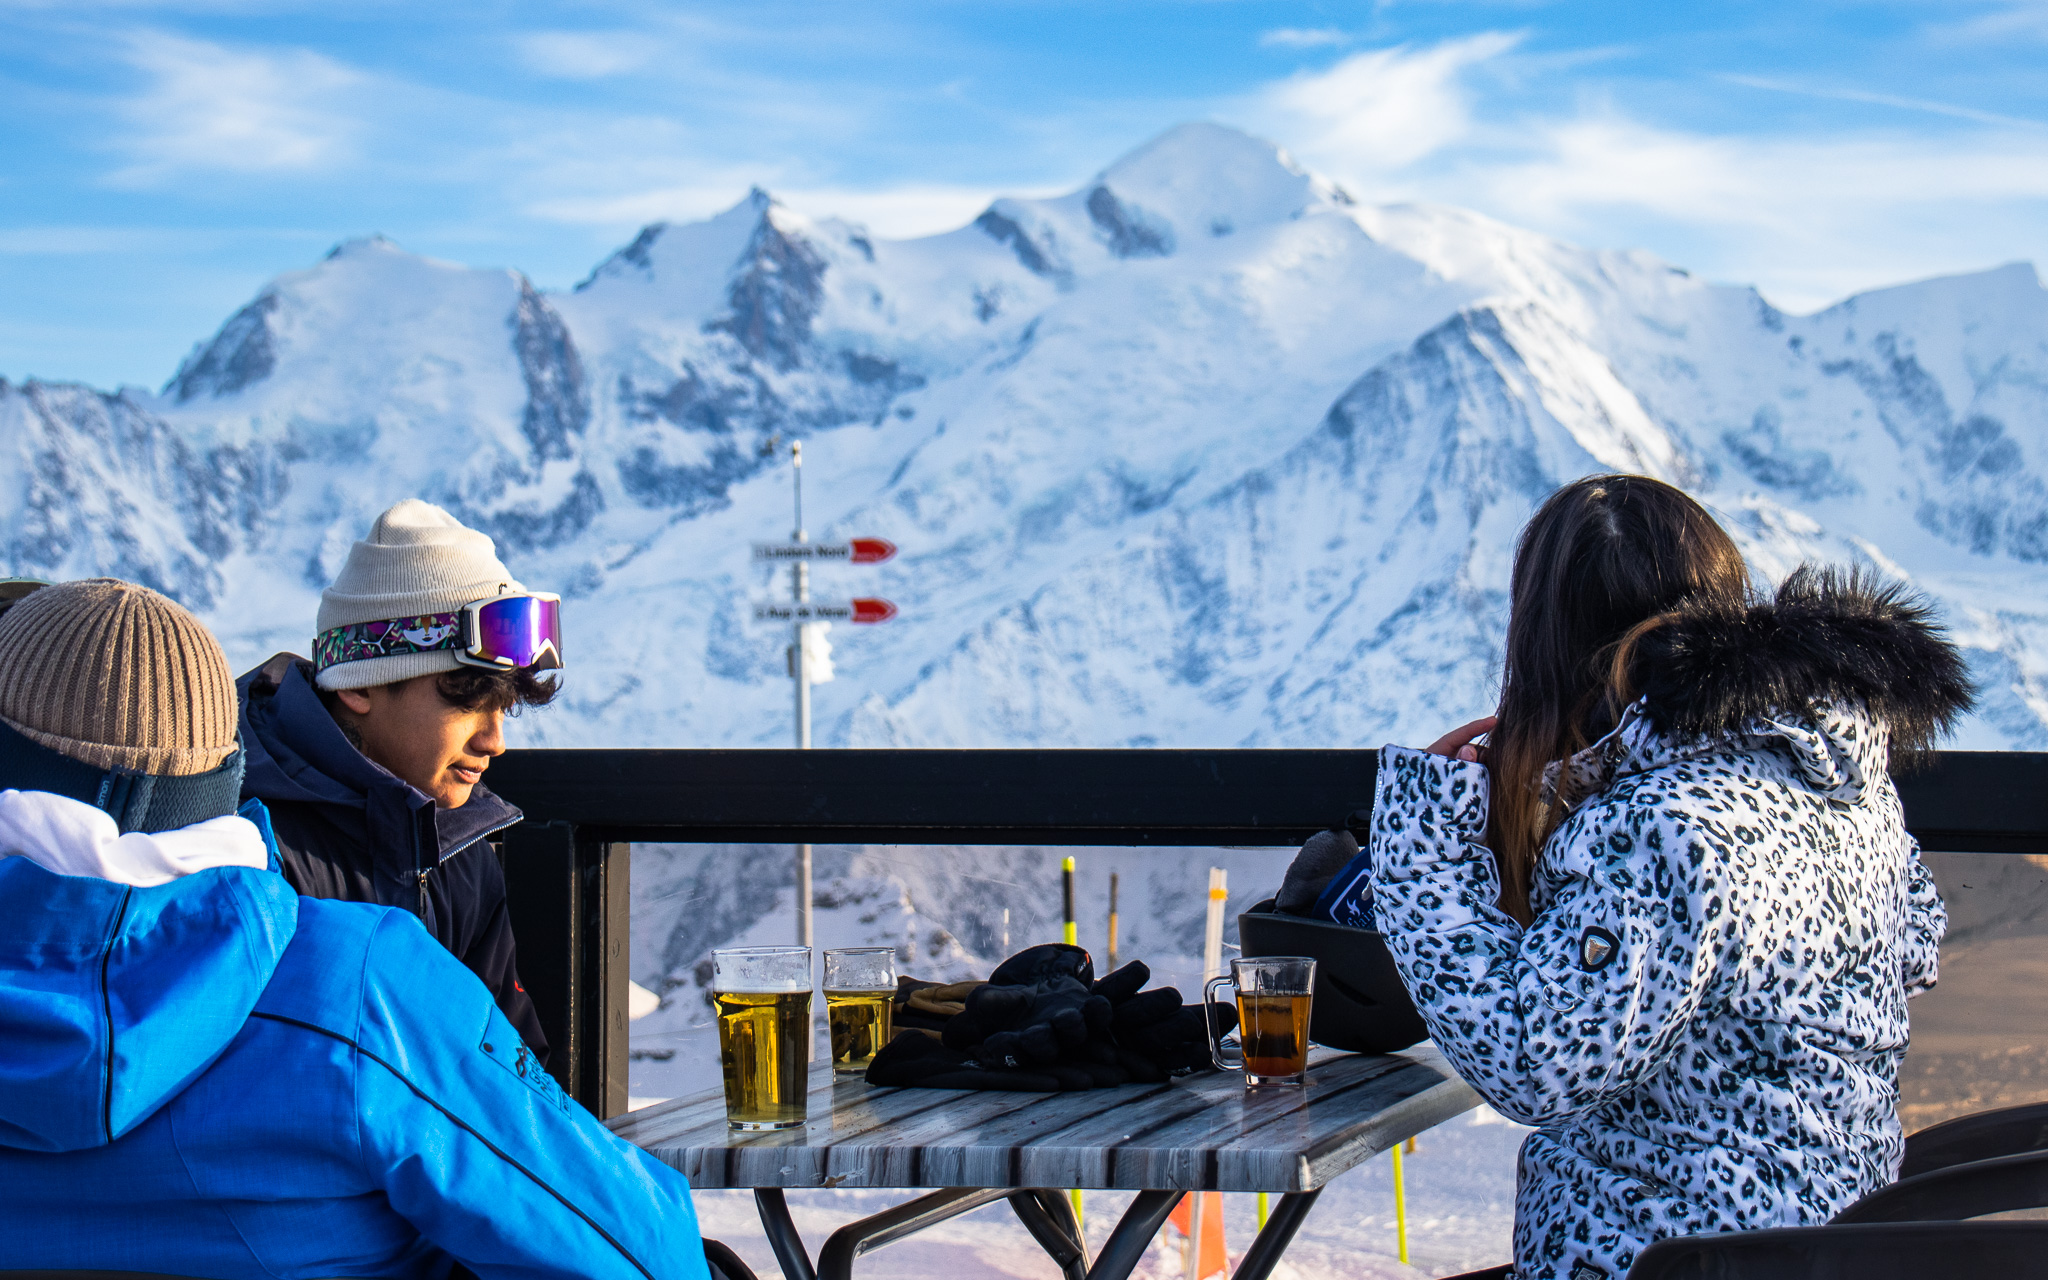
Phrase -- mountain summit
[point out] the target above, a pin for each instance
(1201, 453)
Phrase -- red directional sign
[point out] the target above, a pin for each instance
(869, 609)
(856, 551)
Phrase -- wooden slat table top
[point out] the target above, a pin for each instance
(1201, 1133)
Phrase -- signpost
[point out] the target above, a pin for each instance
(866, 609)
(800, 553)
(856, 551)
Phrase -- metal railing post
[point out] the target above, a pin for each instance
(604, 868)
(568, 892)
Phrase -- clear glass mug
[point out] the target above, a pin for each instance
(860, 999)
(1274, 994)
(763, 997)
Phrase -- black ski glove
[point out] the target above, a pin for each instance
(1158, 1028)
(918, 1061)
(1052, 1024)
(1037, 1010)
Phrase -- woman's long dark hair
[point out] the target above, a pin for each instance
(1598, 565)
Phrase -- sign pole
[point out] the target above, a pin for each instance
(804, 613)
(800, 585)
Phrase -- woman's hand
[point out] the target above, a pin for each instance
(1458, 744)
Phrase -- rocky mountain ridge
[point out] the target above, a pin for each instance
(1207, 452)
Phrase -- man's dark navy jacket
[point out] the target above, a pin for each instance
(349, 829)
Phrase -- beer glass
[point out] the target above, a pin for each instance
(1273, 994)
(763, 996)
(860, 993)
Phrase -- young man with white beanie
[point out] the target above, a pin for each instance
(203, 1073)
(370, 757)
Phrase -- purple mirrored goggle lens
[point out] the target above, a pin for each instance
(518, 631)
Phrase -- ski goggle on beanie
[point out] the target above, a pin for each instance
(502, 633)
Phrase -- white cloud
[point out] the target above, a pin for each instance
(1790, 186)
(585, 55)
(1303, 38)
(238, 111)
(1808, 216)
(1382, 108)
(2027, 20)
(1881, 99)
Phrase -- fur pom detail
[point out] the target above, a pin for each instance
(1828, 636)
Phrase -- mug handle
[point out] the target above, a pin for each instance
(1209, 1024)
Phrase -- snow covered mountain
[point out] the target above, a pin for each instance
(1204, 453)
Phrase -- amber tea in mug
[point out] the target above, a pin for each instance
(1274, 995)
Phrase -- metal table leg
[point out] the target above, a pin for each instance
(1050, 1220)
(1276, 1235)
(1133, 1234)
(835, 1260)
(782, 1236)
(1045, 1214)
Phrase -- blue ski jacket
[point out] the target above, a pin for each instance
(202, 1073)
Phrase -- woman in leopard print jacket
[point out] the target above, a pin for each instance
(1670, 915)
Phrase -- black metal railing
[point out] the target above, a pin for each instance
(568, 865)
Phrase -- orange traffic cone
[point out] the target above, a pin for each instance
(1209, 1252)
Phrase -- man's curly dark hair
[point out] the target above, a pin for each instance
(482, 689)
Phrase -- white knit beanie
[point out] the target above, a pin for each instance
(417, 560)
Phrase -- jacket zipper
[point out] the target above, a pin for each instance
(107, 1011)
(423, 896)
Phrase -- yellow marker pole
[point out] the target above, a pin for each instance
(1400, 1208)
(1112, 922)
(1071, 936)
(1262, 1210)
(1067, 898)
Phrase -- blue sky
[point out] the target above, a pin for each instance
(159, 161)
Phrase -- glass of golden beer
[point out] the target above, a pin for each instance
(763, 996)
(1273, 997)
(860, 992)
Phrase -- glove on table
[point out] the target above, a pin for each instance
(918, 1061)
(1155, 1027)
(928, 1006)
(1042, 1022)
(1037, 1010)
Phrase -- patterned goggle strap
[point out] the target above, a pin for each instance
(428, 633)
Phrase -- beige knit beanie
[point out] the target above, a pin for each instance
(417, 560)
(118, 677)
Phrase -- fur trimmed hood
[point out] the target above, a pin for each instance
(1826, 637)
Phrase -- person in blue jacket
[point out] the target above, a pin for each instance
(203, 1073)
